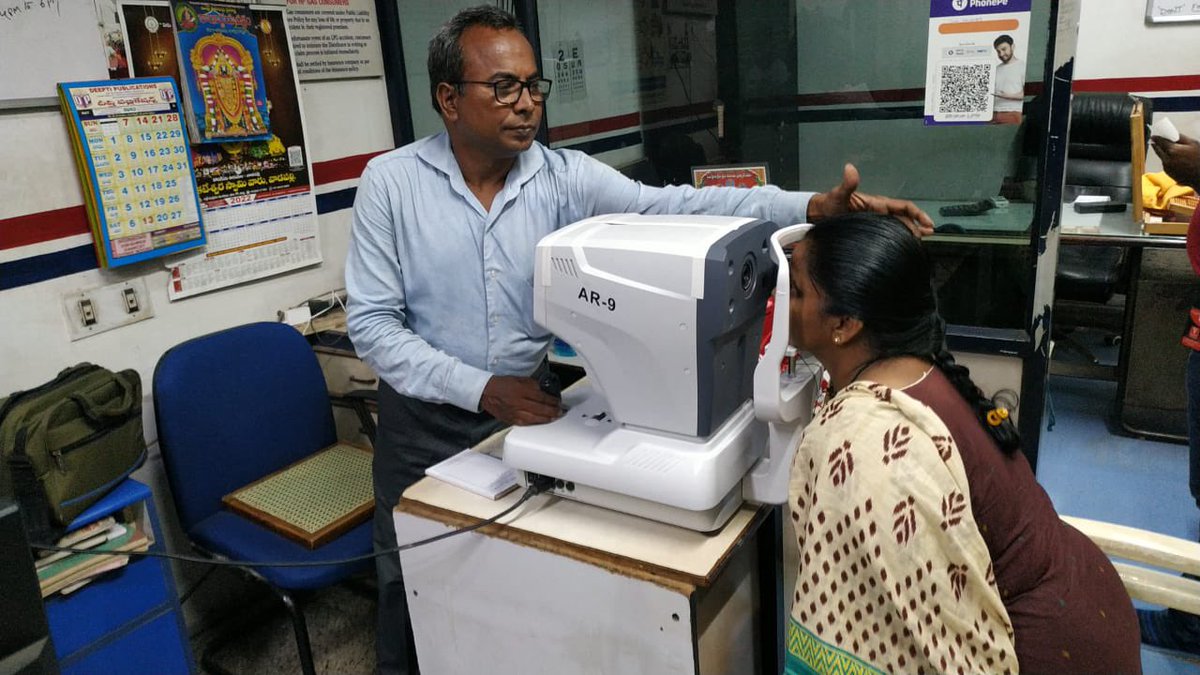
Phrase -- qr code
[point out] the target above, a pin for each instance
(965, 88)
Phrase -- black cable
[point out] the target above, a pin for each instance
(532, 490)
(688, 96)
(203, 577)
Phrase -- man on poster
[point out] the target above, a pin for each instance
(1010, 83)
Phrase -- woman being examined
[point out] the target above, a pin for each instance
(926, 543)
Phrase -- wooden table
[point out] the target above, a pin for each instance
(566, 587)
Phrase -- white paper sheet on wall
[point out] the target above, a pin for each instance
(250, 241)
(30, 68)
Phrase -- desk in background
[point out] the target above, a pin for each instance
(1151, 365)
(1151, 397)
(351, 383)
(572, 588)
(1007, 226)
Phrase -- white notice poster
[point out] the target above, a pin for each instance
(335, 39)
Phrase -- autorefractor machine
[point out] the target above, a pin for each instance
(679, 419)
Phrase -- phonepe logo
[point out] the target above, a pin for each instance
(960, 5)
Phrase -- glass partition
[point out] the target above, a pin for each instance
(656, 87)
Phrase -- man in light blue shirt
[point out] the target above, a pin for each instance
(440, 268)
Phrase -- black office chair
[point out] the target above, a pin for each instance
(1088, 278)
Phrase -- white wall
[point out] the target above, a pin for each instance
(1116, 42)
(38, 174)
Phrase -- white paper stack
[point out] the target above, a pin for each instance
(475, 472)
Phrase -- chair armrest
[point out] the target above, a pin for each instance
(361, 401)
(1160, 588)
(1143, 546)
(365, 395)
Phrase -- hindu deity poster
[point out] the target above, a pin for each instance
(221, 70)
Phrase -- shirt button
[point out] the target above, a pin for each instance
(493, 274)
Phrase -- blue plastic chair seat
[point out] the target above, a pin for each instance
(240, 538)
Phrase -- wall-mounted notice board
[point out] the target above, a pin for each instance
(44, 42)
(1170, 11)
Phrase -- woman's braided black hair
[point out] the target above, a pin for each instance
(872, 268)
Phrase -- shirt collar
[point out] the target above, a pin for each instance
(437, 154)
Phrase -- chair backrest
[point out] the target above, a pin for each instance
(1099, 155)
(234, 406)
(1099, 147)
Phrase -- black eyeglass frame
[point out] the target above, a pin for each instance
(543, 88)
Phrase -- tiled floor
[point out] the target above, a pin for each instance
(341, 627)
(1087, 470)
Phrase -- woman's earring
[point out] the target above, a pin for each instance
(837, 339)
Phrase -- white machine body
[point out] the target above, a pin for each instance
(666, 314)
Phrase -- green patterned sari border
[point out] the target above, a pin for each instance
(807, 654)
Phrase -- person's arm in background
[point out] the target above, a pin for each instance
(598, 188)
(1181, 161)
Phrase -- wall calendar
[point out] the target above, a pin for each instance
(131, 149)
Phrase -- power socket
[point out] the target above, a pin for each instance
(94, 311)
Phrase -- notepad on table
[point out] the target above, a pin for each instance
(475, 472)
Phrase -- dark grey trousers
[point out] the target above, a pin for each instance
(412, 436)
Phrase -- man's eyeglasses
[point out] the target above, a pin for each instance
(508, 90)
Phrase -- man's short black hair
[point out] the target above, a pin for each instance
(1001, 40)
(445, 49)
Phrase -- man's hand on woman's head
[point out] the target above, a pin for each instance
(1181, 160)
(845, 198)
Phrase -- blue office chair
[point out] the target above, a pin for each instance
(234, 406)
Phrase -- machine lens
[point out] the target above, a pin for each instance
(749, 276)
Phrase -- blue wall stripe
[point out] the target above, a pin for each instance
(605, 144)
(336, 201)
(634, 137)
(83, 258)
(47, 266)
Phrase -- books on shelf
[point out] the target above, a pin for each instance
(476, 472)
(80, 538)
(66, 572)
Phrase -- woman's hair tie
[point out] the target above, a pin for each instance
(996, 416)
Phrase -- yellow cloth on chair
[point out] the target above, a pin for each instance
(1158, 189)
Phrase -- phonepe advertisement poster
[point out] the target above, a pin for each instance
(975, 68)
